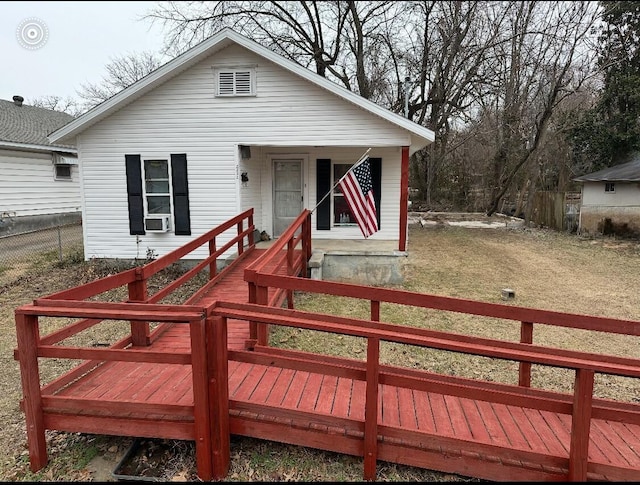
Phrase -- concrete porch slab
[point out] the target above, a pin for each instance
(368, 262)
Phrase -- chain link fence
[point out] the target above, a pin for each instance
(55, 243)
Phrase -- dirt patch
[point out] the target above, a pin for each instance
(157, 460)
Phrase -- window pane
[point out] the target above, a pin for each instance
(157, 187)
(156, 169)
(341, 212)
(63, 171)
(158, 205)
(339, 169)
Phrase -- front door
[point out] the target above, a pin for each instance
(287, 193)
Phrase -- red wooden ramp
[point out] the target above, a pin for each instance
(207, 371)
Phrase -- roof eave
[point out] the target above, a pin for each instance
(36, 148)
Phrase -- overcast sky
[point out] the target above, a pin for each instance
(82, 38)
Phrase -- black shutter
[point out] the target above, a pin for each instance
(134, 194)
(181, 217)
(376, 179)
(323, 186)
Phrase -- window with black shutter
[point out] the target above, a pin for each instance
(334, 210)
(158, 189)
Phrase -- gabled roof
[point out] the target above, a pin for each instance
(217, 42)
(628, 171)
(29, 126)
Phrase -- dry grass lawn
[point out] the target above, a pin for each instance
(545, 269)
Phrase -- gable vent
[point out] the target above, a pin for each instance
(235, 82)
(243, 82)
(225, 83)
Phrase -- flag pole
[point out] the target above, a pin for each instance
(360, 160)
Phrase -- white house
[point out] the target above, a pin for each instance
(40, 182)
(227, 126)
(611, 199)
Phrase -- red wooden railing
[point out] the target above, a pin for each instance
(139, 310)
(291, 253)
(582, 406)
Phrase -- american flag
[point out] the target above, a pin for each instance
(358, 191)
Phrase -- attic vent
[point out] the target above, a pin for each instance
(235, 82)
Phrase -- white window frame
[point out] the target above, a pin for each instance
(144, 187)
(609, 187)
(234, 72)
(56, 176)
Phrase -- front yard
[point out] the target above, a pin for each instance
(545, 269)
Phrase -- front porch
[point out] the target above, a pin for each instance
(278, 182)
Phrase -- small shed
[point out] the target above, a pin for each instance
(40, 182)
(227, 126)
(611, 199)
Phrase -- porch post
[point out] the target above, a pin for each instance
(404, 199)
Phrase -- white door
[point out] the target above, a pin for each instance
(287, 193)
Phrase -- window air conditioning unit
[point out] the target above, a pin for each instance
(156, 224)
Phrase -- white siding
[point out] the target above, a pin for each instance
(184, 116)
(28, 186)
(627, 194)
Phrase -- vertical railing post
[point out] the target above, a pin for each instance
(375, 311)
(251, 238)
(262, 298)
(580, 425)
(200, 379)
(217, 353)
(213, 265)
(28, 337)
(138, 293)
(253, 326)
(526, 337)
(241, 239)
(290, 253)
(371, 409)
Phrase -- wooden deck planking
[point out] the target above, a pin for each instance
(515, 435)
(327, 395)
(424, 416)
(280, 387)
(265, 386)
(389, 408)
(342, 400)
(628, 436)
(497, 434)
(608, 447)
(310, 393)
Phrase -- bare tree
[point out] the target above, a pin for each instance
(122, 71)
(448, 63)
(336, 39)
(544, 62)
(67, 105)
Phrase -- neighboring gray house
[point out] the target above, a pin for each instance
(40, 182)
(611, 199)
(227, 126)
